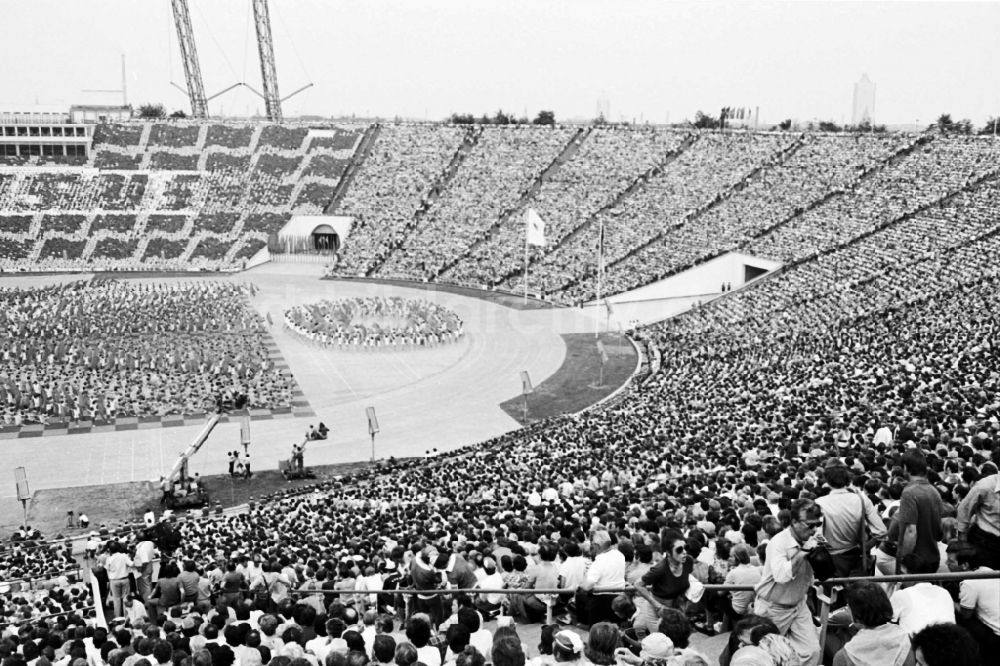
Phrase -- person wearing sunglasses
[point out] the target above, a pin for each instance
(786, 579)
(664, 585)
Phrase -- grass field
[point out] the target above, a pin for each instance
(575, 385)
(115, 503)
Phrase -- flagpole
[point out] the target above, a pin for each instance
(525, 256)
(600, 276)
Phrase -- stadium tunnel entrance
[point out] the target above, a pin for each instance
(309, 234)
(325, 239)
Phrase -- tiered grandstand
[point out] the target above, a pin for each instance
(170, 196)
(870, 348)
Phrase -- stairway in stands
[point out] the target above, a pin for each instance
(868, 173)
(565, 155)
(142, 149)
(359, 157)
(438, 187)
(637, 184)
(777, 158)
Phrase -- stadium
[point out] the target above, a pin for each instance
(281, 390)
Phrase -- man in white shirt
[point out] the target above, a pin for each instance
(979, 605)
(573, 570)
(489, 603)
(604, 577)
(917, 606)
(145, 553)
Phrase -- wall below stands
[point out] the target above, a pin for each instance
(678, 293)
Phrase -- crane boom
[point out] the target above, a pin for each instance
(189, 54)
(268, 73)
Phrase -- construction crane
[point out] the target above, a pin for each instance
(189, 54)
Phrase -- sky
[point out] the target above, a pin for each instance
(653, 60)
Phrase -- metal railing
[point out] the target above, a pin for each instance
(826, 591)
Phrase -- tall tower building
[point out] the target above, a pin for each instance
(604, 107)
(864, 101)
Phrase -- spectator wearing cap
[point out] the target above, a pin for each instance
(979, 517)
(567, 646)
(786, 578)
(848, 518)
(656, 649)
(605, 578)
(919, 515)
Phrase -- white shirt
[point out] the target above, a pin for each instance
(921, 605)
(144, 552)
(982, 596)
(492, 582)
(573, 572)
(429, 655)
(608, 570)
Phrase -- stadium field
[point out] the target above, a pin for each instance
(425, 399)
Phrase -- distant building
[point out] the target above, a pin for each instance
(864, 101)
(97, 113)
(42, 135)
(38, 136)
(604, 107)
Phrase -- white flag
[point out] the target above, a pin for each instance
(536, 228)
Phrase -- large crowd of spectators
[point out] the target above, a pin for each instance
(701, 174)
(394, 182)
(102, 350)
(608, 161)
(854, 397)
(369, 323)
(822, 166)
(496, 172)
(213, 172)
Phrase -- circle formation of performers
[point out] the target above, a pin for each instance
(374, 323)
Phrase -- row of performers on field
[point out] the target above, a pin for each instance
(229, 355)
(63, 401)
(372, 335)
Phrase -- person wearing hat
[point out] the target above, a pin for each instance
(655, 649)
(489, 603)
(851, 524)
(567, 646)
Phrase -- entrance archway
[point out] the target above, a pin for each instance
(325, 239)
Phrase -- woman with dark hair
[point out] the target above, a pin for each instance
(601, 644)
(747, 632)
(664, 585)
(878, 642)
(167, 592)
(507, 651)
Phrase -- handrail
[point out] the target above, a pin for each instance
(901, 578)
(46, 617)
